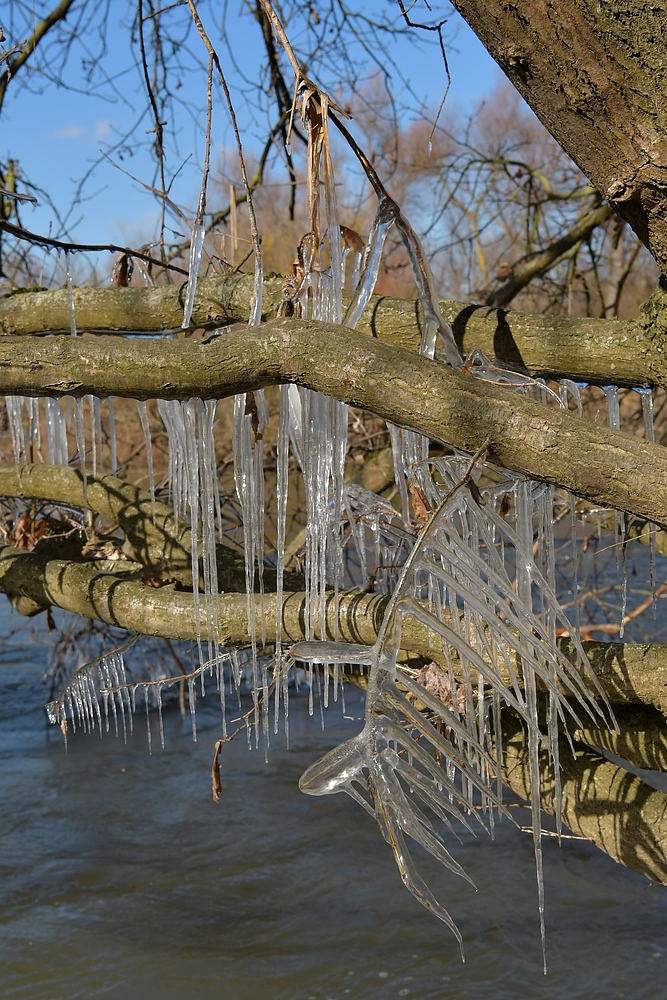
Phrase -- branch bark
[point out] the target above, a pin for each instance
(161, 545)
(605, 466)
(620, 813)
(631, 352)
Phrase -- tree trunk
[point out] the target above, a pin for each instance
(595, 75)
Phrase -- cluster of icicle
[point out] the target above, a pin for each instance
(105, 692)
(494, 622)
(480, 576)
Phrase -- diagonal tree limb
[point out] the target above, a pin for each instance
(539, 263)
(605, 466)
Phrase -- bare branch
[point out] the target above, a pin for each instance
(13, 66)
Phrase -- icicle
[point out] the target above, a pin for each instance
(158, 695)
(566, 386)
(81, 444)
(145, 426)
(248, 477)
(32, 436)
(196, 247)
(53, 413)
(356, 270)
(112, 438)
(192, 460)
(93, 439)
(434, 323)
(96, 432)
(257, 294)
(649, 435)
(208, 483)
(70, 296)
(295, 421)
(14, 406)
(382, 223)
(614, 420)
(148, 721)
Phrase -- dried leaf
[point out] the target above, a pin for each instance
(352, 240)
(28, 529)
(420, 504)
(216, 784)
(122, 271)
(435, 680)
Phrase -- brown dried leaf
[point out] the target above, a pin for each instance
(435, 680)
(28, 529)
(122, 271)
(352, 240)
(420, 504)
(216, 784)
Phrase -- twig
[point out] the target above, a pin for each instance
(158, 124)
(46, 241)
(437, 28)
(251, 208)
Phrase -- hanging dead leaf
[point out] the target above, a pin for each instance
(352, 240)
(435, 680)
(420, 504)
(216, 784)
(251, 411)
(28, 529)
(122, 271)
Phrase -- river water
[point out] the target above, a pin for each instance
(120, 878)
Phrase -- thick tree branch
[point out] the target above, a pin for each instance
(154, 539)
(602, 802)
(629, 674)
(629, 352)
(605, 466)
(642, 740)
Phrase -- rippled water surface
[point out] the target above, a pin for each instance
(120, 878)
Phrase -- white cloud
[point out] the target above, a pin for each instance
(103, 129)
(70, 132)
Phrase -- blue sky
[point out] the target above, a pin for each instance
(57, 135)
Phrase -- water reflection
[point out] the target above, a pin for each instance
(120, 878)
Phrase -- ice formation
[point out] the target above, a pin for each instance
(477, 572)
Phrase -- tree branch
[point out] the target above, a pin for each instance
(629, 352)
(539, 263)
(620, 813)
(57, 14)
(605, 466)
(160, 544)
